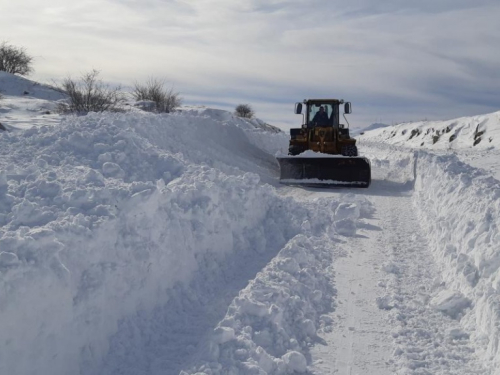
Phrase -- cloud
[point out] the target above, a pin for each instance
(391, 59)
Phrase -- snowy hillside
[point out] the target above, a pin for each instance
(357, 132)
(13, 85)
(26, 103)
(475, 140)
(137, 243)
(481, 132)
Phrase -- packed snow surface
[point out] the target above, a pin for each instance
(141, 243)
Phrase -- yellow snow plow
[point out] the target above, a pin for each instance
(321, 152)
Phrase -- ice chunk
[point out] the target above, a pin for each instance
(450, 302)
(295, 361)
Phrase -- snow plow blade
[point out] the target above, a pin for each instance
(342, 171)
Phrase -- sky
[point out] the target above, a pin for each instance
(395, 61)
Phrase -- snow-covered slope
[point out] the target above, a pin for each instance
(475, 140)
(25, 103)
(376, 125)
(480, 132)
(13, 85)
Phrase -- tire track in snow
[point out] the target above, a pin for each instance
(359, 341)
(385, 321)
(427, 341)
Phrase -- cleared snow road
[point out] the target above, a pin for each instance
(385, 319)
(360, 339)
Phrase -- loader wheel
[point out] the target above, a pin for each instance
(349, 150)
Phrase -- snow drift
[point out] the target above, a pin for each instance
(122, 232)
(459, 206)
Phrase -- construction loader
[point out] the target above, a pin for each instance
(321, 151)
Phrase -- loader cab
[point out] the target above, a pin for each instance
(331, 109)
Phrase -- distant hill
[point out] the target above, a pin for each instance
(13, 85)
(475, 132)
(373, 126)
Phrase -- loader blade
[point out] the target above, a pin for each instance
(331, 171)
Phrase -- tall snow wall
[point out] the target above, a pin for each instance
(103, 217)
(459, 206)
(125, 237)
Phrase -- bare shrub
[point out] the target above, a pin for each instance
(165, 100)
(90, 94)
(244, 110)
(15, 60)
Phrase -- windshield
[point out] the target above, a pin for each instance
(330, 110)
(315, 109)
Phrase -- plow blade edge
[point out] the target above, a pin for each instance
(331, 171)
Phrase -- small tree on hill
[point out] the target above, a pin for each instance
(154, 90)
(90, 95)
(244, 110)
(15, 60)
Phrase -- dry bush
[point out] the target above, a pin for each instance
(90, 94)
(15, 60)
(165, 100)
(244, 110)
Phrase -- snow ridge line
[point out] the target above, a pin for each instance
(460, 208)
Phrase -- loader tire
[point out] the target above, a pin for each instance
(349, 150)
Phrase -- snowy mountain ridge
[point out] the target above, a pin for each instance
(376, 125)
(480, 132)
(474, 140)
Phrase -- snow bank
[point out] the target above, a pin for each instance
(460, 208)
(266, 137)
(124, 237)
(83, 280)
(270, 326)
(101, 215)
